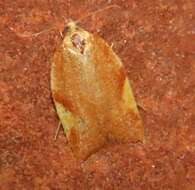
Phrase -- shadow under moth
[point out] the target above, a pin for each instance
(92, 93)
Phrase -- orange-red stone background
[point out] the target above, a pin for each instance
(155, 40)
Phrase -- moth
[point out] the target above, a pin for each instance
(92, 93)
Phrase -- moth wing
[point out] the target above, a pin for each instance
(82, 139)
(126, 121)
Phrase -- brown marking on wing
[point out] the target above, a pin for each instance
(121, 80)
(74, 137)
(59, 97)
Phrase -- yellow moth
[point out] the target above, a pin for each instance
(92, 93)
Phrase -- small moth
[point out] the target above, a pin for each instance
(92, 93)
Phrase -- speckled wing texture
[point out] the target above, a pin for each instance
(92, 93)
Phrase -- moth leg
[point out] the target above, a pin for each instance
(57, 130)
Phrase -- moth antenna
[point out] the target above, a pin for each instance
(33, 34)
(54, 27)
(97, 11)
(57, 131)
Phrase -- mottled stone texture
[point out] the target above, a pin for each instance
(156, 41)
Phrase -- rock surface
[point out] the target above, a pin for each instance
(154, 39)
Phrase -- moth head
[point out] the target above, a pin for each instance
(76, 39)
